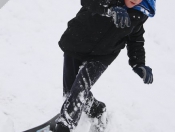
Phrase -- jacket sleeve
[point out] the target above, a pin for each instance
(97, 6)
(135, 45)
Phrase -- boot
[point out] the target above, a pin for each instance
(61, 128)
(96, 111)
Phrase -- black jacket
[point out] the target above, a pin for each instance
(90, 35)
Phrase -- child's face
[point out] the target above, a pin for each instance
(132, 3)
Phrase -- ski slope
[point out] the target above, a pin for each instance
(31, 70)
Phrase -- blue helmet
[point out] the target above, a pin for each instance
(148, 7)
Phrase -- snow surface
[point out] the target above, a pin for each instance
(31, 70)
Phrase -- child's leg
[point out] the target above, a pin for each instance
(70, 70)
(74, 104)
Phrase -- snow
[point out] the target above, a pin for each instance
(31, 70)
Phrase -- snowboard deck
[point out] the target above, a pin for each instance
(46, 127)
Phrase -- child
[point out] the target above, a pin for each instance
(93, 39)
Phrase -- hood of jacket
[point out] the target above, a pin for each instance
(148, 7)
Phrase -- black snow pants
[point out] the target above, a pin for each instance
(78, 78)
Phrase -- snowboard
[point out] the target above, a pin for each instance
(46, 127)
(85, 125)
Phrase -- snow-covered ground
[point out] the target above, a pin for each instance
(31, 70)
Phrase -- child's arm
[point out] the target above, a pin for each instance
(136, 53)
(135, 46)
(110, 8)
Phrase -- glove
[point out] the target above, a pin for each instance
(120, 16)
(144, 72)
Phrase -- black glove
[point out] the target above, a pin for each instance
(120, 16)
(144, 72)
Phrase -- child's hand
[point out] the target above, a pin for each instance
(144, 72)
(120, 16)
